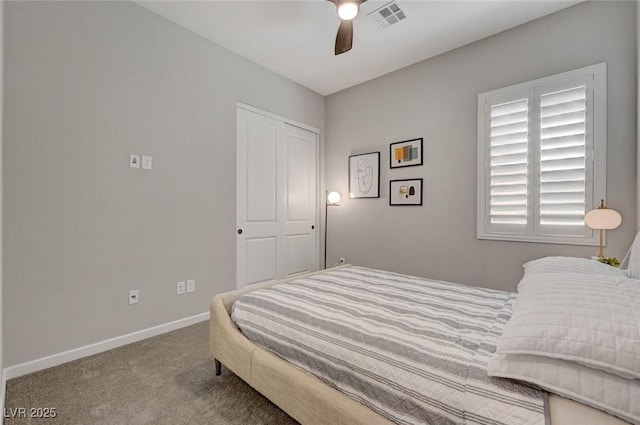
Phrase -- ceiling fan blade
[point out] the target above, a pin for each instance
(344, 38)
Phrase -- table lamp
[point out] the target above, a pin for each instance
(602, 218)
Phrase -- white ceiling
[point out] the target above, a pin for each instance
(296, 38)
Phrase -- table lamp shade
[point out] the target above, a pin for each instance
(603, 218)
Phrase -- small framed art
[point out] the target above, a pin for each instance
(364, 175)
(405, 192)
(405, 154)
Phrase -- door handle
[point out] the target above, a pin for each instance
(239, 231)
(313, 227)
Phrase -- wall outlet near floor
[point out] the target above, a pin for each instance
(134, 161)
(191, 285)
(147, 162)
(342, 260)
(181, 288)
(134, 295)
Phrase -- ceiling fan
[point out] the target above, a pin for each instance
(347, 11)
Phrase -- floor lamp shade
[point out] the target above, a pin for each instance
(333, 198)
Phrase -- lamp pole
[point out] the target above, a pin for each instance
(326, 210)
(331, 199)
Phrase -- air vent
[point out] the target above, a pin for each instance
(387, 15)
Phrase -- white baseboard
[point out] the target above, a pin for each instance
(98, 347)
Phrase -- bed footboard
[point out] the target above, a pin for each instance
(228, 346)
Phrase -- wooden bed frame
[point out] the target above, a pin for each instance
(309, 400)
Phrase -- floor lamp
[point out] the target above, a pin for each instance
(603, 218)
(333, 200)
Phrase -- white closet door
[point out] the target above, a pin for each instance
(276, 199)
(300, 202)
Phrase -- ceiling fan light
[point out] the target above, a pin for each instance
(347, 10)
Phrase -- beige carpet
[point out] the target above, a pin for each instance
(168, 379)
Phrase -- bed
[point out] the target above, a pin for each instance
(314, 399)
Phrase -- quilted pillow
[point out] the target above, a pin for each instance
(633, 270)
(593, 387)
(593, 320)
(571, 265)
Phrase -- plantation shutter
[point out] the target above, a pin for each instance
(542, 158)
(563, 155)
(509, 123)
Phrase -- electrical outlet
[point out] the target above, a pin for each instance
(133, 296)
(134, 161)
(181, 288)
(191, 285)
(341, 260)
(147, 162)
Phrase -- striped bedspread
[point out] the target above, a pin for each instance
(411, 349)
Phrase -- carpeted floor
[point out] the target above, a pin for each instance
(168, 379)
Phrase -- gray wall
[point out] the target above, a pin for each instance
(88, 83)
(436, 99)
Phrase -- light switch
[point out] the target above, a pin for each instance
(191, 285)
(134, 161)
(147, 162)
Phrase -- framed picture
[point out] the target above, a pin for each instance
(405, 192)
(405, 154)
(364, 175)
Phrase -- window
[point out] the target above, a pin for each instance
(542, 158)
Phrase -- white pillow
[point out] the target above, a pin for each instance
(589, 319)
(571, 265)
(593, 387)
(633, 270)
